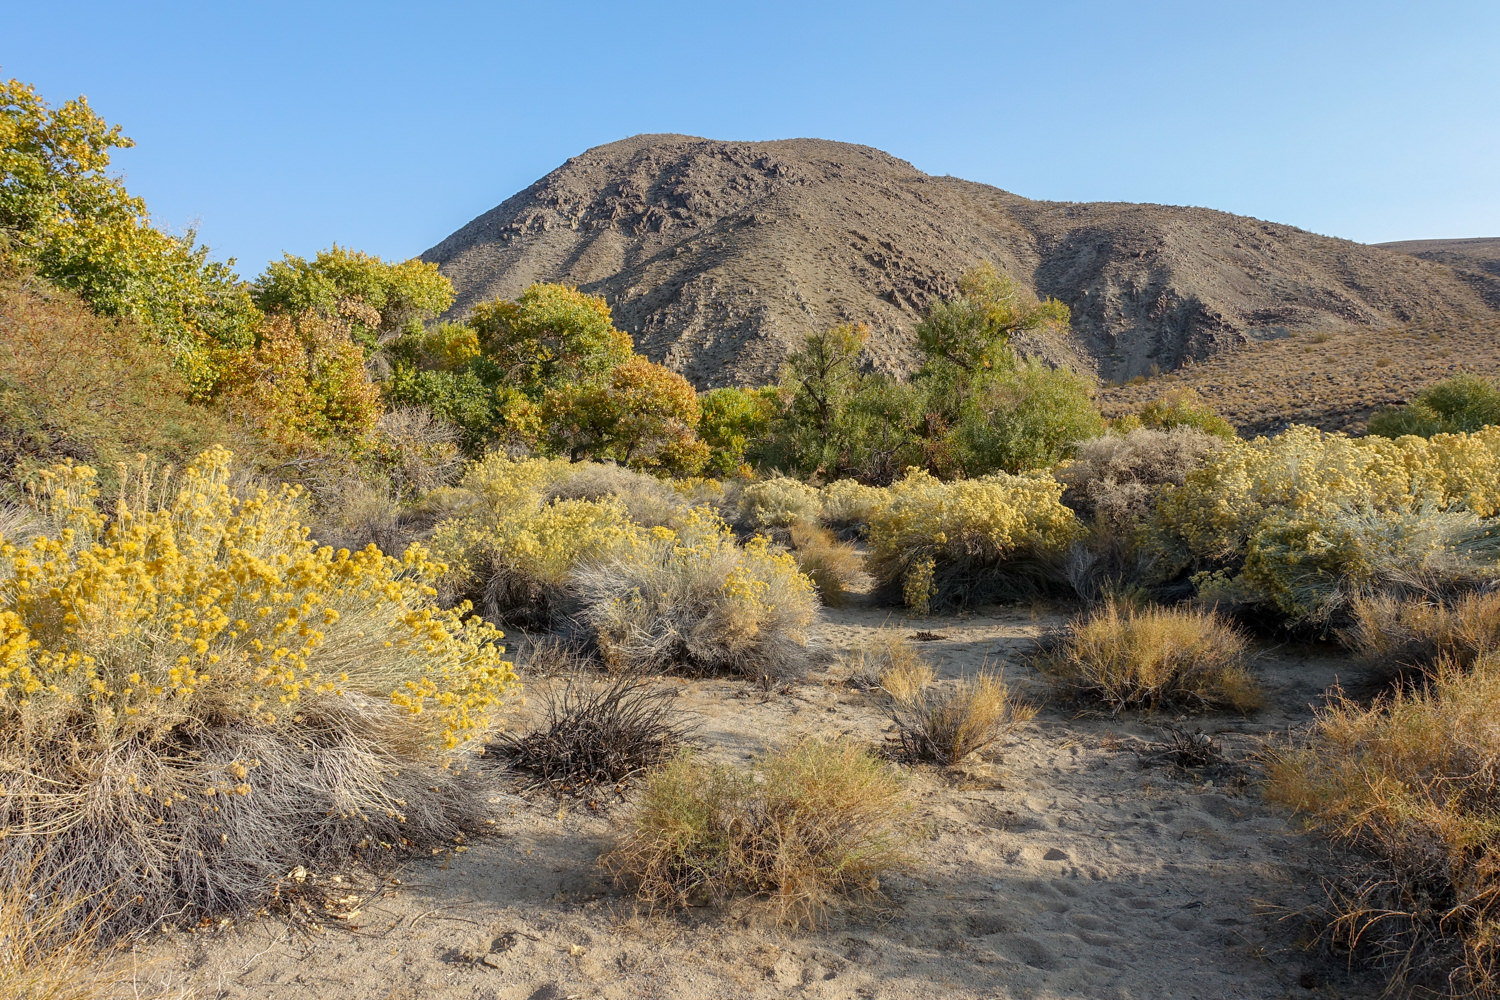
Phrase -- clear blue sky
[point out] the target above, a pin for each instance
(288, 126)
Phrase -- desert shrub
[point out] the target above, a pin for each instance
(1120, 657)
(596, 734)
(777, 503)
(1464, 403)
(1302, 521)
(1111, 483)
(77, 385)
(1408, 786)
(1422, 632)
(1177, 408)
(513, 551)
(849, 505)
(945, 723)
(648, 501)
(693, 600)
(889, 662)
(460, 398)
(194, 699)
(836, 568)
(1113, 479)
(953, 543)
(805, 828)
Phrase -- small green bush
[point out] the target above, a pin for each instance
(1464, 403)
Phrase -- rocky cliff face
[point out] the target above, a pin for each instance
(719, 256)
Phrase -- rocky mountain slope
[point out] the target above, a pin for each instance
(719, 256)
(1477, 260)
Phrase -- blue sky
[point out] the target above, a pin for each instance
(288, 126)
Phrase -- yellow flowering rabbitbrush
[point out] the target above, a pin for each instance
(135, 617)
(1302, 521)
(961, 541)
(196, 699)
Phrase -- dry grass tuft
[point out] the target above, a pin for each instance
(891, 663)
(943, 724)
(1123, 657)
(49, 950)
(1409, 785)
(597, 734)
(836, 568)
(805, 828)
(1421, 633)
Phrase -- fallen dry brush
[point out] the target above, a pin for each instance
(597, 734)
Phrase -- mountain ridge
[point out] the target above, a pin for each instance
(719, 256)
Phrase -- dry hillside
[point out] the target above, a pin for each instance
(718, 255)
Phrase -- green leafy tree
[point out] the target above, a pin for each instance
(972, 330)
(548, 337)
(731, 421)
(640, 414)
(376, 297)
(1464, 403)
(65, 217)
(1023, 416)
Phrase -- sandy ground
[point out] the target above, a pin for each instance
(1063, 867)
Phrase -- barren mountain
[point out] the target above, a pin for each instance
(719, 256)
(1477, 260)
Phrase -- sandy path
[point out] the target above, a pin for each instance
(1063, 869)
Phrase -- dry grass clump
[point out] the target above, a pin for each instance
(1112, 480)
(596, 734)
(804, 828)
(1119, 657)
(1409, 785)
(195, 700)
(1421, 632)
(49, 949)
(836, 568)
(944, 723)
(695, 601)
(889, 662)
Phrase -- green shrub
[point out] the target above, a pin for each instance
(1022, 415)
(1464, 403)
(1177, 408)
(806, 828)
(957, 543)
(731, 421)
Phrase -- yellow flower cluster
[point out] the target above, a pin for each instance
(847, 502)
(135, 617)
(1291, 519)
(925, 525)
(508, 526)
